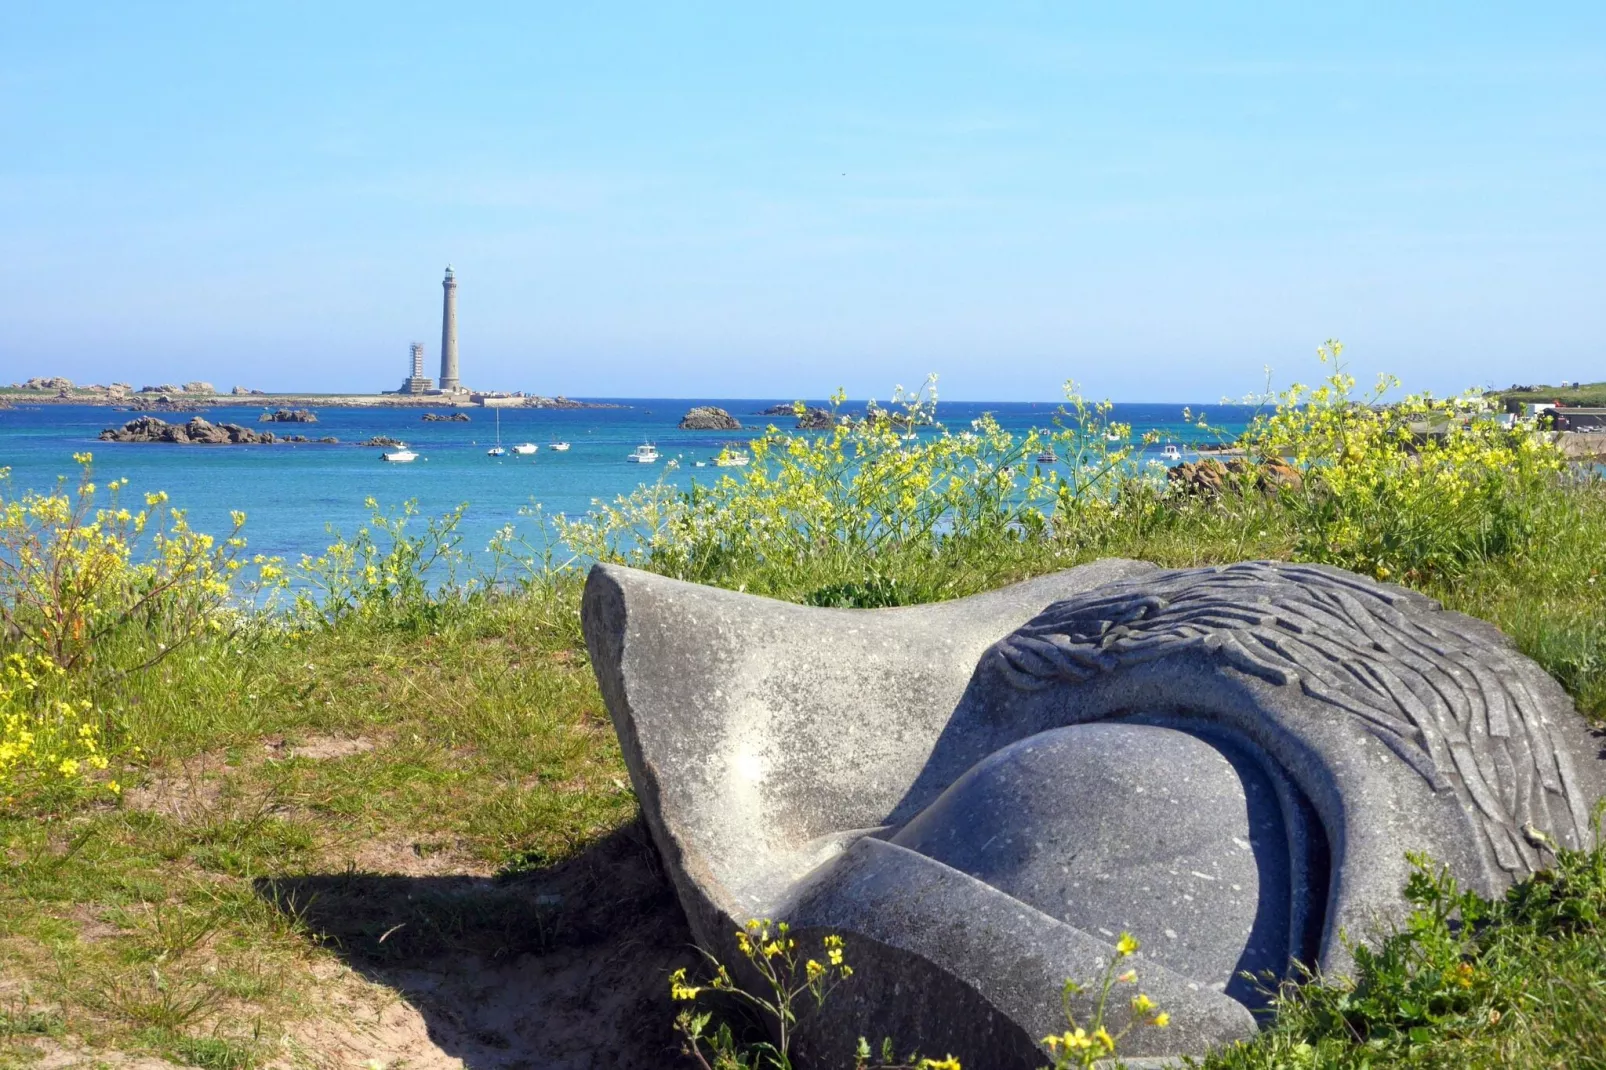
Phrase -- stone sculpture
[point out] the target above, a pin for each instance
(1231, 763)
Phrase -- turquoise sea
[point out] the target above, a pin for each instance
(294, 494)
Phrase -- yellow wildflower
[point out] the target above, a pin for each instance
(679, 989)
(1127, 945)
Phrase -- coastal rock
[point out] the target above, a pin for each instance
(199, 386)
(1209, 477)
(206, 433)
(1235, 764)
(142, 429)
(384, 441)
(437, 418)
(54, 384)
(816, 419)
(709, 418)
(198, 432)
(288, 416)
(330, 440)
(166, 388)
(244, 391)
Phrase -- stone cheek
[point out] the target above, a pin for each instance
(1115, 827)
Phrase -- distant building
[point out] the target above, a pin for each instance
(451, 386)
(450, 383)
(417, 382)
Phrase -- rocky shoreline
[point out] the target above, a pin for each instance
(197, 432)
(190, 397)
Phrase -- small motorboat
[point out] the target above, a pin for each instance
(1048, 456)
(729, 458)
(645, 453)
(559, 446)
(1171, 453)
(524, 449)
(401, 455)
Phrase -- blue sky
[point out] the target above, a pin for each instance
(1157, 200)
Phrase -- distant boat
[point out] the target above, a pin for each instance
(559, 446)
(1048, 456)
(497, 450)
(729, 458)
(645, 453)
(1171, 453)
(1112, 436)
(525, 448)
(399, 456)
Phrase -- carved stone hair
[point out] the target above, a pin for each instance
(1444, 692)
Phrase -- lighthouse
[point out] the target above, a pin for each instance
(449, 380)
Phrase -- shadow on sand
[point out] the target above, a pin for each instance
(557, 968)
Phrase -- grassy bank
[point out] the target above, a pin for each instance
(392, 823)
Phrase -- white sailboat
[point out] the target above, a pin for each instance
(497, 450)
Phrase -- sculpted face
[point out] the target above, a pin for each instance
(1231, 764)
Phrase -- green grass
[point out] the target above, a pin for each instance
(155, 923)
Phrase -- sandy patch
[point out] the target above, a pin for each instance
(320, 748)
(60, 1055)
(416, 858)
(193, 789)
